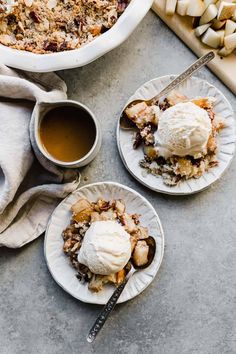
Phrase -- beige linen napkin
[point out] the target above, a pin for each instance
(30, 188)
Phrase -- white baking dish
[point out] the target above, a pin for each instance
(132, 16)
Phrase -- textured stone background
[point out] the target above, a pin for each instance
(191, 305)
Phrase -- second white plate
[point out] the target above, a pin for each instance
(59, 265)
(193, 87)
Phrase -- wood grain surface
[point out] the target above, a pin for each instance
(224, 68)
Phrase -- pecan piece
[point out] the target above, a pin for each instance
(64, 46)
(35, 17)
(137, 140)
(50, 46)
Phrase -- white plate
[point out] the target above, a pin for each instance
(193, 87)
(111, 39)
(59, 264)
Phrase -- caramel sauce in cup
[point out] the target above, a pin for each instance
(66, 133)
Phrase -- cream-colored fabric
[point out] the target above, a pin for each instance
(30, 188)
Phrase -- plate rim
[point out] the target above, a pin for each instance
(157, 190)
(130, 190)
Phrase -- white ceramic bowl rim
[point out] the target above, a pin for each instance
(125, 25)
(66, 103)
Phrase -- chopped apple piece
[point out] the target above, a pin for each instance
(140, 255)
(216, 24)
(221, 33)
(234, 16)
(182, 6)
(209, 14)
(230, 27)
(230, 41)
(218, 4)
(226, 10)
(80, 205)
(208, 2)
(214, 21)
(223, 52)
(196, 8)
(211, 38)
(170, 7)
(201, 29)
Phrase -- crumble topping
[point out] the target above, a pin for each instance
(46, 26)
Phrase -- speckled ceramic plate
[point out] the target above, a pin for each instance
(59, 264)
(193, 87)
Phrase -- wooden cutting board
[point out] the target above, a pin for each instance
(224, 68)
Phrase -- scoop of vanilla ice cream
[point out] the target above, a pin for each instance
(183, 129)
(106, 248)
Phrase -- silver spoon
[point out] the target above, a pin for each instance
(126, 123)
(107, 309)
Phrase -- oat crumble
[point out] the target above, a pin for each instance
(47, 26)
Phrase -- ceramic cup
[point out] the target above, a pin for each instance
(41, 108)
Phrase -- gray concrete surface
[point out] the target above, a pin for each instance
(191, 305)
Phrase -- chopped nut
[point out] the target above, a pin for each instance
(35, 17)
(68, 245)
(103, 205)
(137, 140)
(50, 46)
(76, 247)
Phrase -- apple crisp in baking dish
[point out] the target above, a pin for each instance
(46, 26)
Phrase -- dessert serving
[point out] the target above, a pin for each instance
(62, 232)
(103, 240)
(179, 136)
(46, 26)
